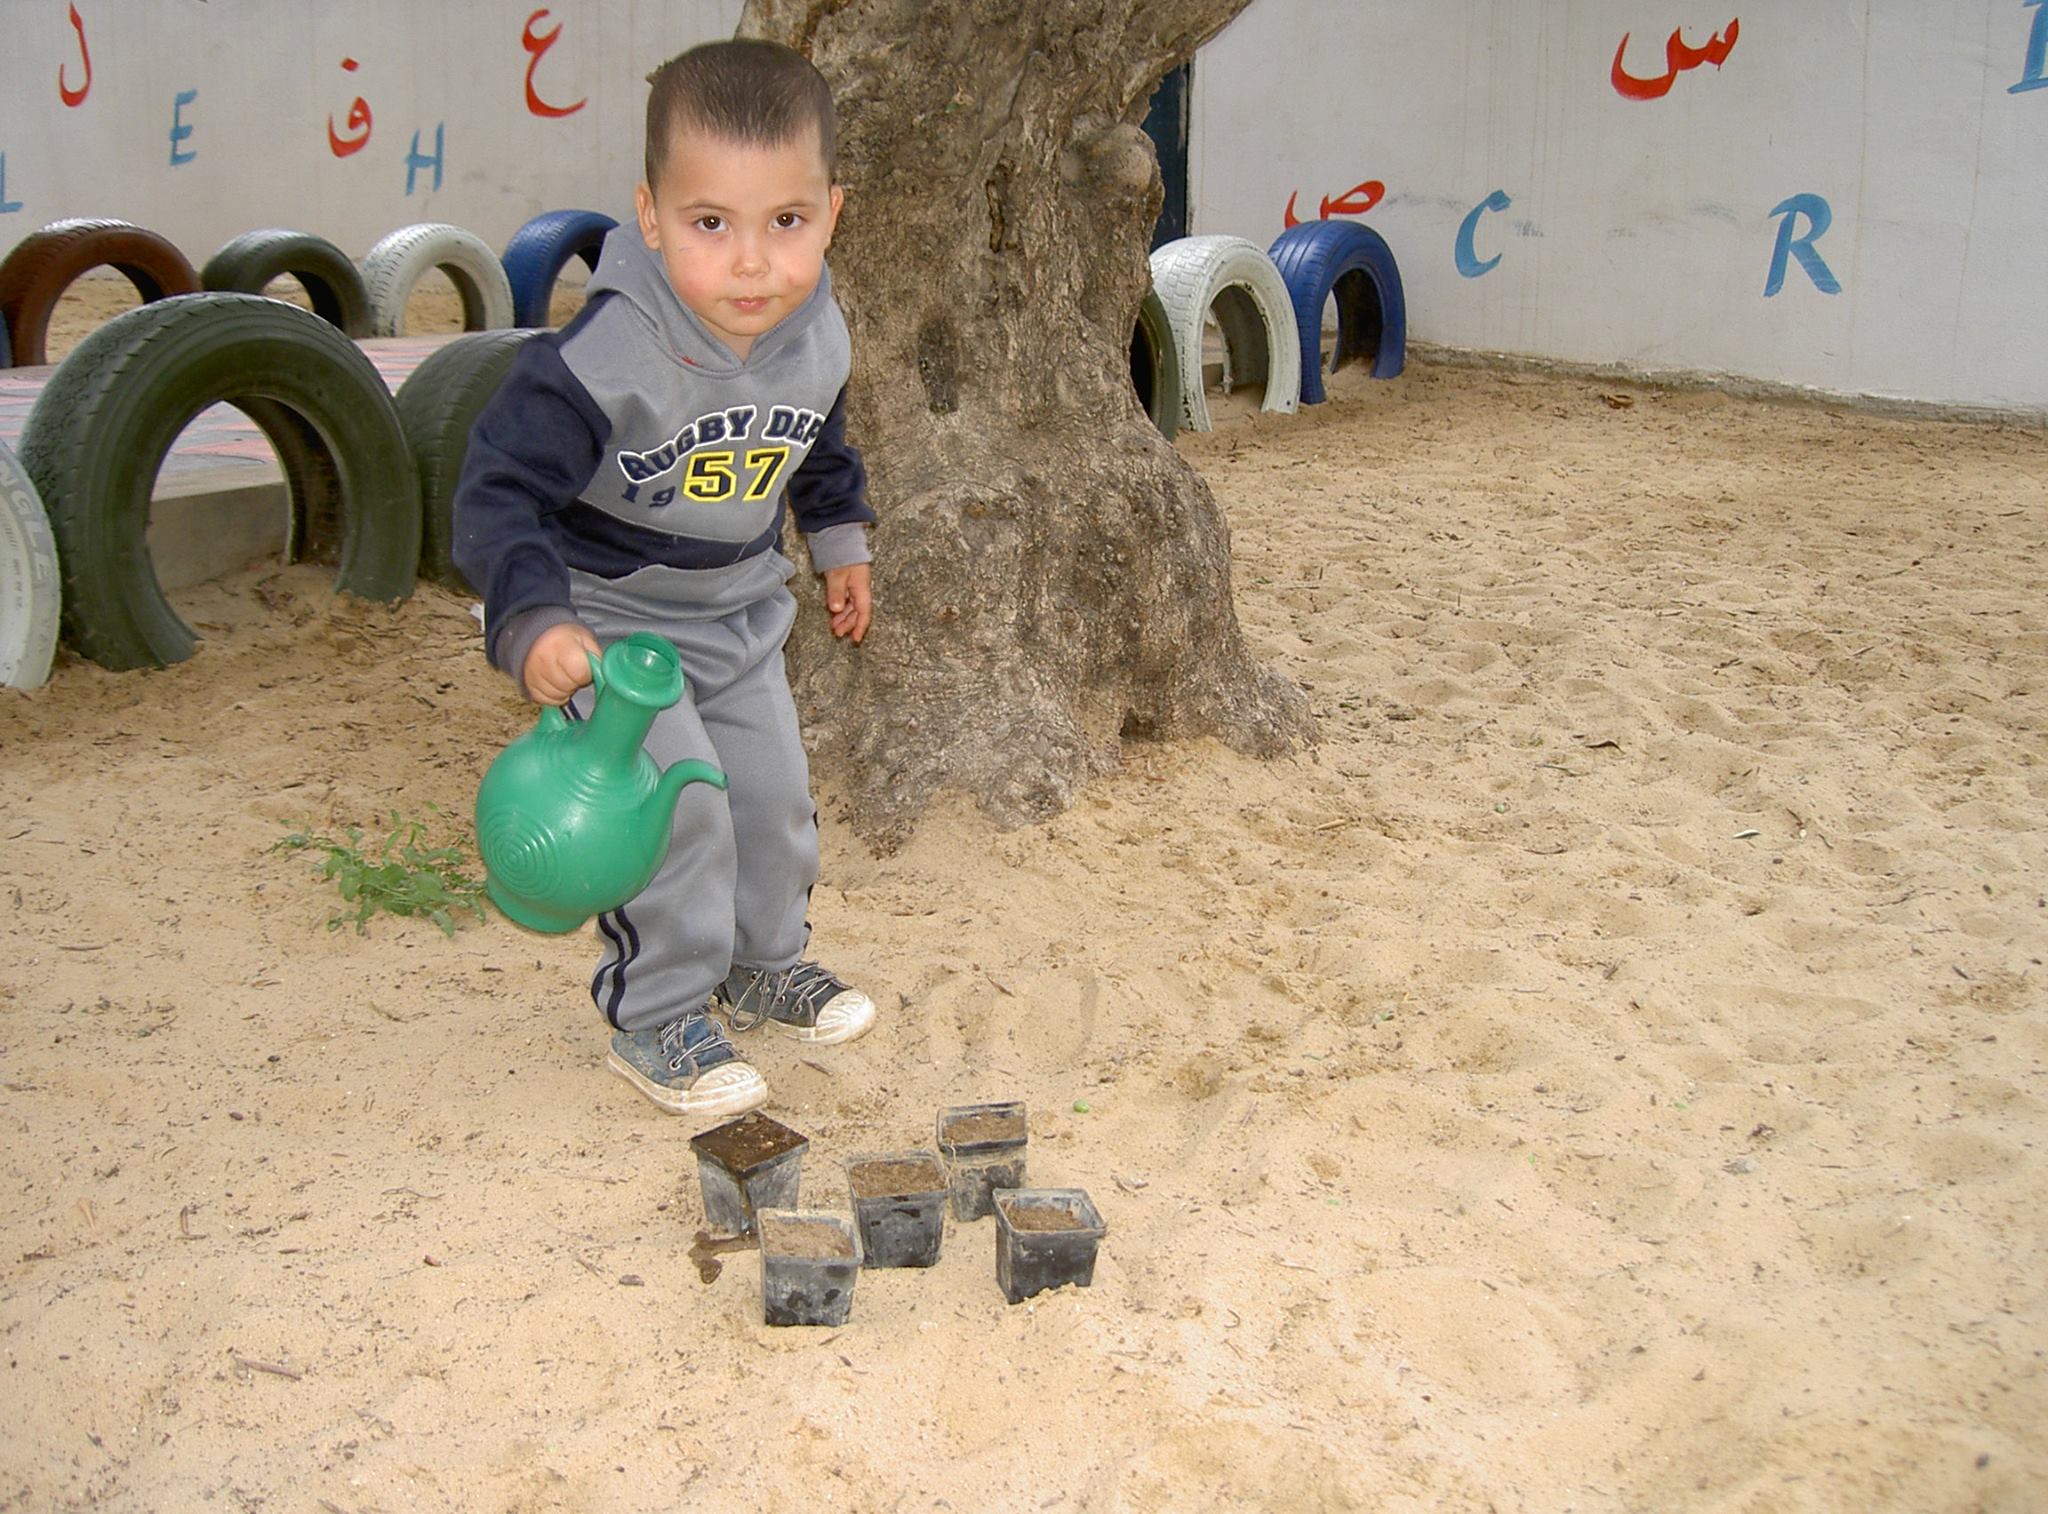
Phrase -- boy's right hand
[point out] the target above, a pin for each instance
(559, 663)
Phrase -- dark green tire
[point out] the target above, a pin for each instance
(437, 406)
(332, 283)
(1155, 366)
(100, 431)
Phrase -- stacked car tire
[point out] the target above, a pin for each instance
(370, 475)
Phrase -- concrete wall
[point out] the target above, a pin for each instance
(202, 119)
(1536, 205)
(1854, 198)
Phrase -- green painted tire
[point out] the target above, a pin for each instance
(1155, 366)
(99, 433)
(248, 263)
(437, 406)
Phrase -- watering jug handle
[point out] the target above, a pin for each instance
(596, 671)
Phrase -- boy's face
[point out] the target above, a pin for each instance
(742, 229)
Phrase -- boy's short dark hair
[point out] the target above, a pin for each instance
(745, 91)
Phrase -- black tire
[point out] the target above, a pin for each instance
(29, 592)
(1321, 258)
(1155, 366)
(541, 249)
(395, 264)
(247, 264)
(99, 432)
(437, 406)
(45, 264)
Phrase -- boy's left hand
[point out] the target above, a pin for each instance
(848, 600)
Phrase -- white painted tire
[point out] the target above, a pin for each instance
(30, 596)
(1237, 282)
(397, 263)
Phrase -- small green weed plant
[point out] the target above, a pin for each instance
(404, 876)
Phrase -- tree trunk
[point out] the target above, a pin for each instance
(1051, 578)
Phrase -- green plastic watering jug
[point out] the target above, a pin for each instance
(574, 818)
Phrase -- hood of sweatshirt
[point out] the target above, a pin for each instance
(631, 269)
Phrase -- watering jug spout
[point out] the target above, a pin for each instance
(661, 804)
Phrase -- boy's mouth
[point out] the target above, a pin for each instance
(753, 305)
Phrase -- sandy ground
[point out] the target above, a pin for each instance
(1605, 1073)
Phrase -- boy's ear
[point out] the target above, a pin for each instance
(832, 218)
(643, 205)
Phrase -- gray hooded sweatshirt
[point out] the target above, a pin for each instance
(634, 437)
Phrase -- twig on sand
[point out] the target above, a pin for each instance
(273, 1368)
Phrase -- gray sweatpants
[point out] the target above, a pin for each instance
(737, 880)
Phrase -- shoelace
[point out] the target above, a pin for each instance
(806, 985)
(671, 1044)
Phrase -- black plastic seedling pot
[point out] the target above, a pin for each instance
(745, 1166)
(983, 1145)
(899, 1202)
(809, 1264)
(1045, 1238)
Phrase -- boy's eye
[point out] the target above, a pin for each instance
(710, 223)
(788, 220)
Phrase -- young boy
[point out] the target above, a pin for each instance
(630, 475)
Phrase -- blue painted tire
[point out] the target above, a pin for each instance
(1353, 262)
(541, 249)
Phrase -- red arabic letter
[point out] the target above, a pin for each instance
(1629, 87)
(1723, 44)
(537, 43)
(358, 120)
(69, 95)
(1288, 219)
(1679, 58)
(1355, 201)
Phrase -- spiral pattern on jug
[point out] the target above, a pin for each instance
(520, 856)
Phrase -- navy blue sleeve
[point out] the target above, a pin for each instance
(531, 453)
(831, 487)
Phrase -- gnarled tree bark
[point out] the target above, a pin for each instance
(1051, 578)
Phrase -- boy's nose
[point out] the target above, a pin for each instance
(749, 255)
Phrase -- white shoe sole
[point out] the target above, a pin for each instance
(728, 1089)
(845, 1017)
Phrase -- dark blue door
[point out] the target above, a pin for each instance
(1166, 123)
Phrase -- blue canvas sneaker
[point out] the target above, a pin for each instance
(804, 1001)
(688, 1067)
